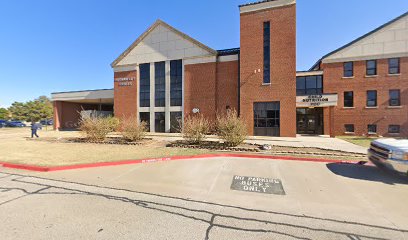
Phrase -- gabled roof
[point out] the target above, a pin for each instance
(358, 39)
(150, 29)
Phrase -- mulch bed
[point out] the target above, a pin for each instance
(210, 145)
(108, 140)
(280, 150)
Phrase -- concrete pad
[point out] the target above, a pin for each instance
(192, 199)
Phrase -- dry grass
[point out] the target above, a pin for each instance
(361, 141)
(16, 148)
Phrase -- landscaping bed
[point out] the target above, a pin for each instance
(276, 150)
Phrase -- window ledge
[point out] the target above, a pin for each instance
(372, 133)
(393, 74)
(371, 107)
(394, 107)
(348, 108)
(371, 76)
(394, 134)
(348, 77)
(266, 84)
(350, 133)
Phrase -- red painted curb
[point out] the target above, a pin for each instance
(152, 160)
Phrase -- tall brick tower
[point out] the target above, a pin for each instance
(268, 67)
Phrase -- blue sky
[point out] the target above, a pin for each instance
(54, 45)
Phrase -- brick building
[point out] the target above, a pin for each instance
(166, 75)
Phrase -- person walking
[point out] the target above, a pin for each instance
(34, 128)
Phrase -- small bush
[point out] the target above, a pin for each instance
(97, 128)
(194, 128)
(231, 128)
(132, 130)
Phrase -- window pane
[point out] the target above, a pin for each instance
(371, 98)
(145, 117)
(371, 67)
(175, 122)
(395, 98)
(159, 122)
(349, 128)
(311, 82)
(394, 129)
(372, 128)
(300, 83)
(176, 85)
(348, 69)
(267, 51)
(159, 84)
(393, 65)
(144, 92)
(348, 99)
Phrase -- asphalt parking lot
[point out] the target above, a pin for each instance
(194, 199)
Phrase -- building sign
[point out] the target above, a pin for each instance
(324, 100)
(257, 185)
(125, 81)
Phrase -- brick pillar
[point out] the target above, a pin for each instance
(331, 120)
(57, 106)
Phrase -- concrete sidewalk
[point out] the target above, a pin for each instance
(323, 142)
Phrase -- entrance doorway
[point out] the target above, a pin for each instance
(309, 121)
(267, 119)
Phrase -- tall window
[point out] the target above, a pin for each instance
(394, 66)
(175, 122)
(267, 52)
(176, 86)
(395, 98)
(348, 69)
(309, 85)
(372, 98)
(159, 122)
(348, 99)
(371, 67)
(144, 92)
(160, 84)
(145, 117)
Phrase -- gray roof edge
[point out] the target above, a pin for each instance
(93, 90)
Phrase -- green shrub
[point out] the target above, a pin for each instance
(231, 129)
(97, 128)
(133, 130)
(194, 128)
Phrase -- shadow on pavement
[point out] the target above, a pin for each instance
(369, 173)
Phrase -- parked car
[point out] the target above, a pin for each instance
(3, 123)
(48, 122)
(15, 124)
(390, 153)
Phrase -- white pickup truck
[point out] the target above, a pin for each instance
(390, 153)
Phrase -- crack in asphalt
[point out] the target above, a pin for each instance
(172, 209)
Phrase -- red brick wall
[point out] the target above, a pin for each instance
(125, 97)
(227, 86)
(199, 89)
(283, 65)
(359, 115)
